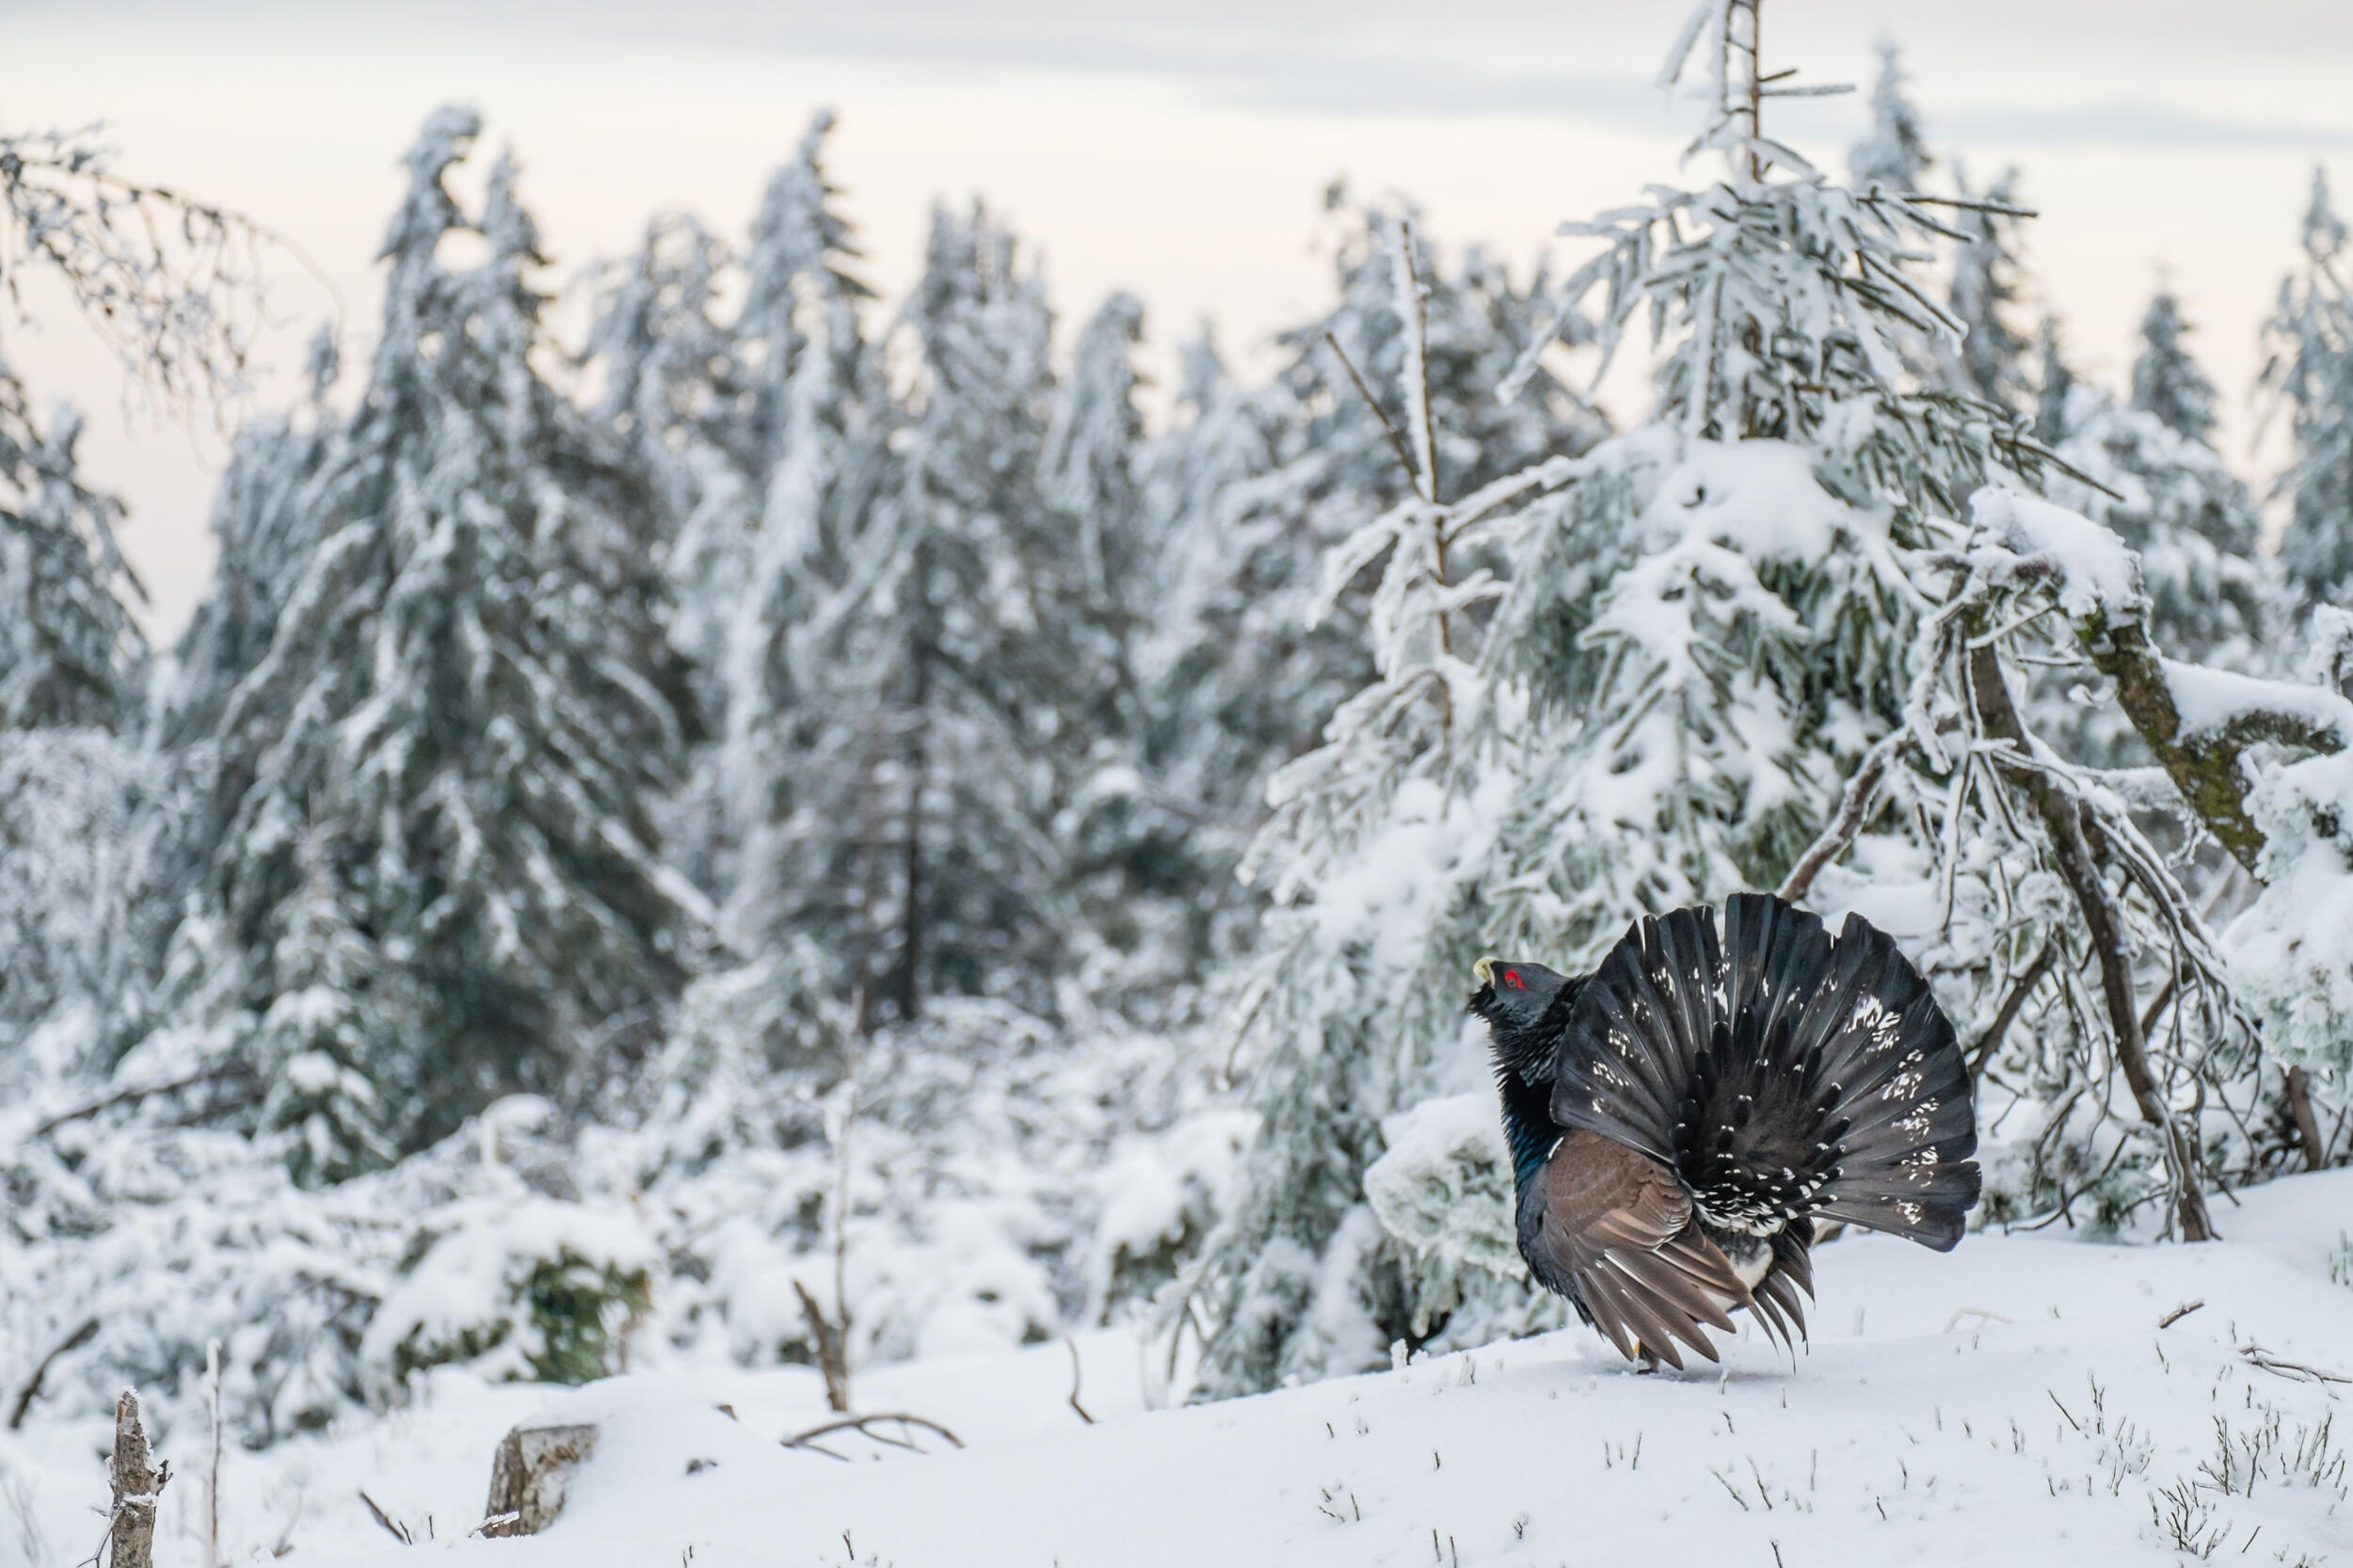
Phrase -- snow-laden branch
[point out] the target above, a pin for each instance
(2198, 721)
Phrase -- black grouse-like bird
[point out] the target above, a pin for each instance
(1680, 1117)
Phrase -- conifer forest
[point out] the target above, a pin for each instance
(734, 834)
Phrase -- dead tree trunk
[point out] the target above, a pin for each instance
(139, 1483)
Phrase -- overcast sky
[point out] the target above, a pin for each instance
(1175, 151)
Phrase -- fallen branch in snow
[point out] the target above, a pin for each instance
(862, 1425)
(2255, 1355)
(2180, 1312)
(31, 1391)
(1954, 1321)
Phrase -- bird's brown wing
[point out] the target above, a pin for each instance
(1619, 1223)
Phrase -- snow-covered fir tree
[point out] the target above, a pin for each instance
(2310, 371)
(2054, 384)
(751, 429)
(921, 850)
(1893, 153)
(1988, 360)
(72, 777)
(1253, 487)
(2166, 381)
(68, 652)
(431, 790)
(2148, 470)
(260, 525)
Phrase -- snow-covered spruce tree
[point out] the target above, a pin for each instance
(813, 427)
(72, 661)
(2055, 384)
(69, 665)
(1988, 360)
(1297, 1281)
(1128, 835)
(2310, 371)
(2291, 951)
(68, 652)
(1237, 680)
(260, 528)
(2149, 471)
(2166, 381)
(438, 771)
(1893, 153)
(1253, 487)
(752, 433)
(936, 685)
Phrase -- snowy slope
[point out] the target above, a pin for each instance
(2014, 1401)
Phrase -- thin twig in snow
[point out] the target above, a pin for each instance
(1073, 1345)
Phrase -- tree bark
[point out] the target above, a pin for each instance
(2080, 869)
(137, 1485)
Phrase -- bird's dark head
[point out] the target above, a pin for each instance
(1515, 997)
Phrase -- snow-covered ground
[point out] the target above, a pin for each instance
(2015, 1401)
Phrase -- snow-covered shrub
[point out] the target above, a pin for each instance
(168, 1240)
(1158, 1199)
(518, 1288)
(1444, 1191)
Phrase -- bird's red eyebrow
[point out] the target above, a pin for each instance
(1512, 978)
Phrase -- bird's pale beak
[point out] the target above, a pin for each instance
(1485, 971)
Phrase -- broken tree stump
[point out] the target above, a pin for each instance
(137, 1485)
(529, 1474)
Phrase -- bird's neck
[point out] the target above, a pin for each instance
(1527, 1125)
(1524, 1058)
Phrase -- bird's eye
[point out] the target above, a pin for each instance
(1512, 978)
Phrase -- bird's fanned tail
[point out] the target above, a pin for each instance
(1783, 1074)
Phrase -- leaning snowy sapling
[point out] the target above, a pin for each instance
(1678, 1117)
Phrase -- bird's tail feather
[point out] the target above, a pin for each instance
(1783, 1074)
